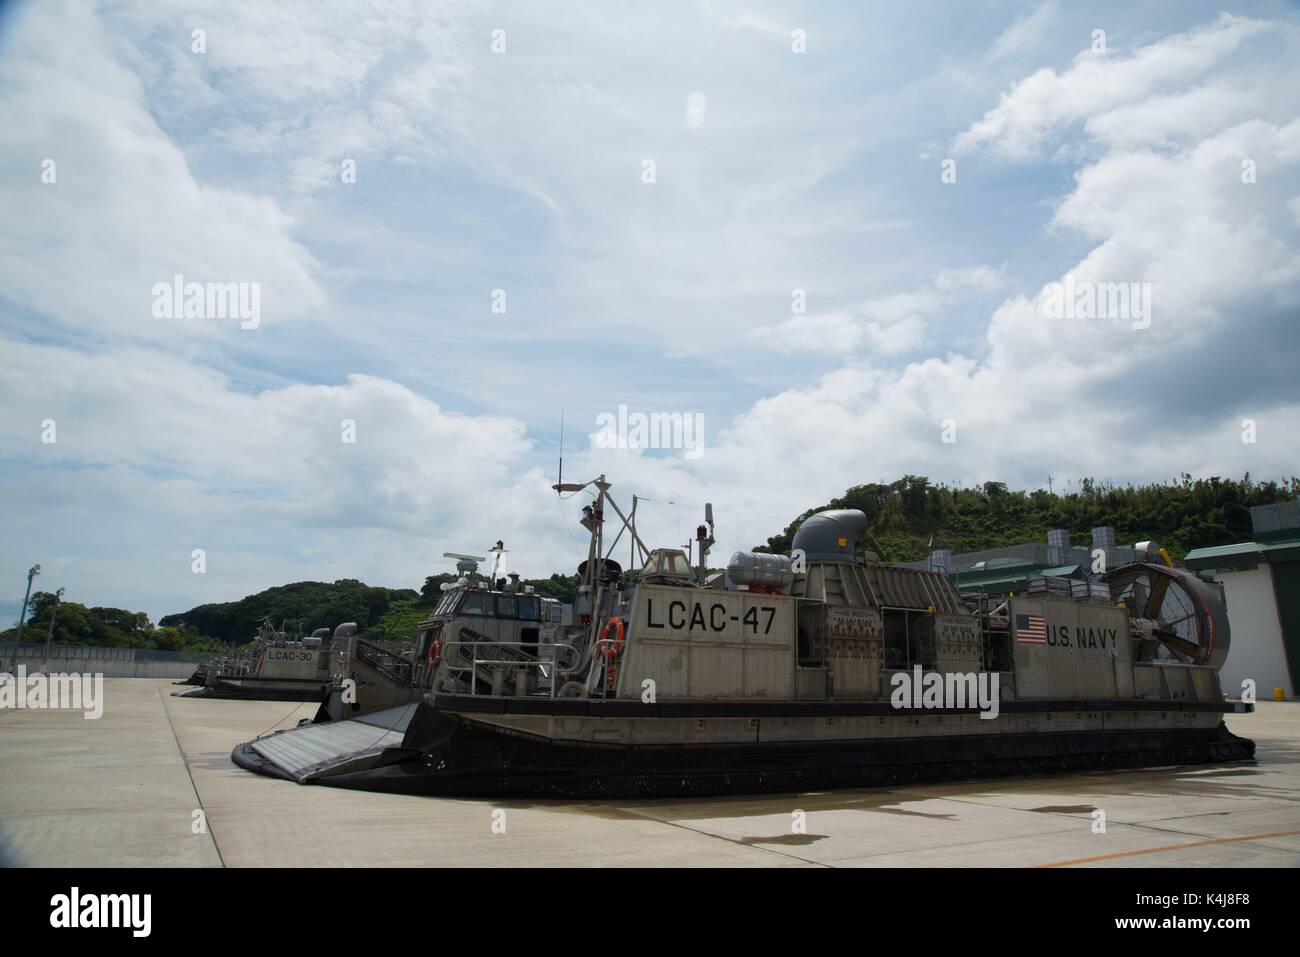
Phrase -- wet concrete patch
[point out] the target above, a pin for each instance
(786, 840)
(905, 811)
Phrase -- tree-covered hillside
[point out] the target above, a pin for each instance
(906, 515)
(76, 624)
(305, 605)
(389, 614)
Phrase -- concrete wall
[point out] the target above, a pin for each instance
(110, 662)
(1256, 650)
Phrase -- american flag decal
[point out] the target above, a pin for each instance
(1031, 630)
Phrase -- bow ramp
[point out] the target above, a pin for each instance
(313, 751)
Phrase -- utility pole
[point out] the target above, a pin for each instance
(1049, 485)
(49, 635)
(22, 616)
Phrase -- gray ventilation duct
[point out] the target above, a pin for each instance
(831, 536)
(941, 560)
(1058, 546)
(761, 568)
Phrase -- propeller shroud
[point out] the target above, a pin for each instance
(1184, 613)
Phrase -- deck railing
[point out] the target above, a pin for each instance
(497, 663)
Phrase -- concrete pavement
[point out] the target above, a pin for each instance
(127, 789)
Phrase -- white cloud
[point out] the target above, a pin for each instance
(883, 326)
(1026, 31)
(125, 211)
(1171, 119)
(1036, 107)
(143, 409)
(154, 447)
(1089, 397)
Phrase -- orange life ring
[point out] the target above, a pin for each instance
(435, 651)
(607, 646)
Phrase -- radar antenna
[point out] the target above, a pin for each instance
(465, 564)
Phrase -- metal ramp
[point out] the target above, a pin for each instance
(333, 747)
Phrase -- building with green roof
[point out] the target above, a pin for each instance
(1009, 569)
(1261, 584)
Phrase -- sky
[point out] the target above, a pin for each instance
(829, 234)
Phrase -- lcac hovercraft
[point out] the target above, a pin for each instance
(823, 671)
(276, 667)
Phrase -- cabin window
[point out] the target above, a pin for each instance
(528, 608)
(677, 564)
(476, 603)
(507, 606)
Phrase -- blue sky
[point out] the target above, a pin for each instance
(521, 171)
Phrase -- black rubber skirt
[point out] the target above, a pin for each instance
(308, 693)
(443, 754)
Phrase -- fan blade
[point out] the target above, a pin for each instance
(1156, 599)
(1178, 643)
(1170, 623)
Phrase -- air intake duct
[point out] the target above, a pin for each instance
(831, 536)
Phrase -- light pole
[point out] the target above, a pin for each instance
(31, 573)
(49, 635)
